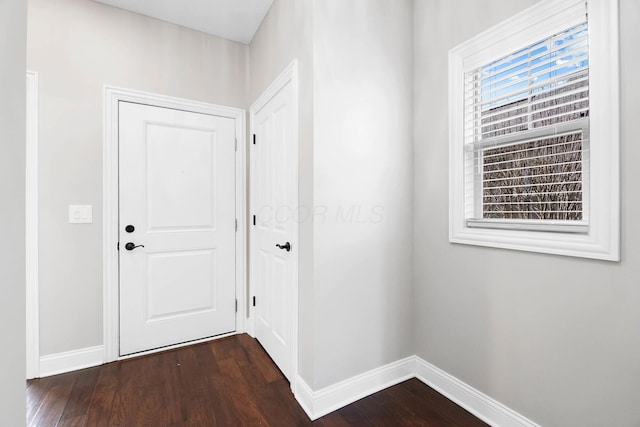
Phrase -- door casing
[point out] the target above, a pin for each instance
(112, 96)
(31, 236)
(288, 76)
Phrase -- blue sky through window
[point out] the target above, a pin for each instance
(537, 68)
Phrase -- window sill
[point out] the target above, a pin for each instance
(574, 244)
(577, 227)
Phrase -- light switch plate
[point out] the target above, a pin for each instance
(80, 214)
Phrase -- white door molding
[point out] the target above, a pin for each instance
(33, 306)
(288, 76)
(112, 96)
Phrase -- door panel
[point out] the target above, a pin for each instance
(179, 200)
(164, 300)
(275, 203)
(177, 188)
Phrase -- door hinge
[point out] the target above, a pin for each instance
(236, 144)
(254, 220)
(254, 139)
(236, 224)
(118, 246)
(254, 301)
(236, 305)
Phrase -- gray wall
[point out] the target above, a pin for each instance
(554, 338)
(363, 186)
(77, 47)
(286, 34)
(13, 31)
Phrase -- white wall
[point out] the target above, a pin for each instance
(78, 46)
(284, 35)
(13, 31)
(362, 157)
(552, 337)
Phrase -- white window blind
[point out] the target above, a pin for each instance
(526, 135)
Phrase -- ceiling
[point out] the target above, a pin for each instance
(236, 20)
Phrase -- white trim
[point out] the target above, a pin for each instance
(68, 361)
(112, 96)
(31, 273)
(305, 397)
(602, 241)
(604, 111)
(319, 403)
(479, 404)
(290, 74)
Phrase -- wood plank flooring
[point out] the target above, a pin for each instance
(226, 382)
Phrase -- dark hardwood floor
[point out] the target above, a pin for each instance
(226, 382)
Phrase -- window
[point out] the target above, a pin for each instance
(534, 132)
(526, 126)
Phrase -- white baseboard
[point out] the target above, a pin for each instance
(304, 396)
(59, 363)
(326, 400)
(319, 403)
(479, 404)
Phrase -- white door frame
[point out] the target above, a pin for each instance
(289, 75)
(113, 95)
(31, 273)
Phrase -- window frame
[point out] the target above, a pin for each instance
(600, 239)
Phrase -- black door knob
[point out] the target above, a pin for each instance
(286, 246)
(131, 246)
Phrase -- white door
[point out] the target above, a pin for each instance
(177, 226)
(275, 206)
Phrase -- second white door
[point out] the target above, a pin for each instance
(177, 226)
(275, 209)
